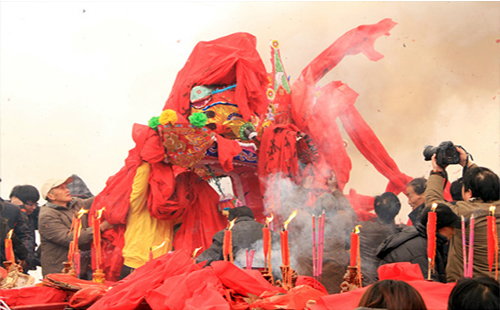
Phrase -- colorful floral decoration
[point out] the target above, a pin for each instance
(168, 116)
(198, 119)
(154, 122)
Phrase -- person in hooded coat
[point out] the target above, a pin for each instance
(410, 245)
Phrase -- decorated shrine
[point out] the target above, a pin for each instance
(225, 117)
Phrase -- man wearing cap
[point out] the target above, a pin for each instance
(55, 223)
(410, 245)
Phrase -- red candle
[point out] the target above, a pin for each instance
(354, 248)
(227, 246)
(266, 236)
(471, 246)
(285, 250)
(492, 241)
(431, 238)
(9, 251)
(266, 239)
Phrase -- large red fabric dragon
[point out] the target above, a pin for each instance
(277, 128)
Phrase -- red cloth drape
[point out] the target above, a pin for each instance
(355, 41)
(435, 294)
(201, 219)
(227, 60)
(32, 295)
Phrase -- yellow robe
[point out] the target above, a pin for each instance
(144, 232)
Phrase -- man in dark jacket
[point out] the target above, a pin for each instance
(410, 245)
(20, 251)
(26, 198)
(372, 234)
(246, 233)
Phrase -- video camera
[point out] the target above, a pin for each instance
(446, 153)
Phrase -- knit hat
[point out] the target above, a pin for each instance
(240, 211)
(445, 217)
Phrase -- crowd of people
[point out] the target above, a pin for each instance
(382, 241)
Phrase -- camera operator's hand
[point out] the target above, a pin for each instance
(435, 166)
(463, 157)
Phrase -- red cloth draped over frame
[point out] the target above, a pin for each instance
(168, 188)
(227, 60)
(336, 100)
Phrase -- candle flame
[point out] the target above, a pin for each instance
(356, 229)
(158, 246)
(9, 234)
(434, 206)
(231, 224)
(81, 213)
(99, 213)
(492, 210)
(196, 251)
(269, 219)
(290, 218)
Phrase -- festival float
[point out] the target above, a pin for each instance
(225, 117)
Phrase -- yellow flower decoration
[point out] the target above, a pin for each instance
(168, 116)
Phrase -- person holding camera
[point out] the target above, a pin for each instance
(480, 190)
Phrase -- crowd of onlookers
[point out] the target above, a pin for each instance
(381, 240)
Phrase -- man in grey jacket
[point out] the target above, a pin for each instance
(55, 222)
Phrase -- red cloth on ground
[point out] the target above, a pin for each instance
(306, 280)
(32, 295)
(435, 294)
(242, 281)
(200, 289)
(129, 292)
(224, 61)
(296, 298)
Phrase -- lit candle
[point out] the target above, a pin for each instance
(464, 249)
(471, 246)
(354, 246)
(152, 249)
(284, 240)
(97, 237)
(431, 238)
(196, 252)
(77, 225)
(9, 251)
(227, 247)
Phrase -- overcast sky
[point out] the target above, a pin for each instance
(75, 77)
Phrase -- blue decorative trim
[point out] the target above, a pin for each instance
(217, 103)
(216, 91)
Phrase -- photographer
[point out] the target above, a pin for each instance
(481, 189)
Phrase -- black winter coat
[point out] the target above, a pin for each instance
(246, 234)
(410, 245)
